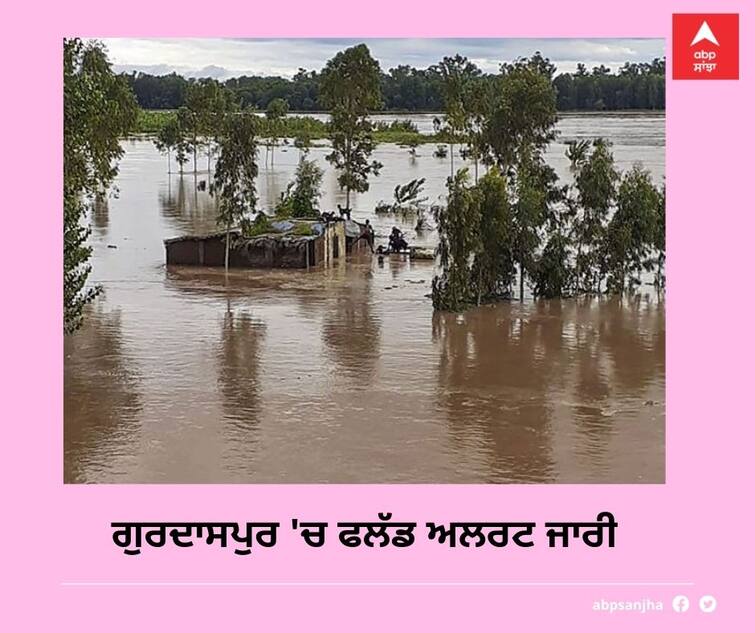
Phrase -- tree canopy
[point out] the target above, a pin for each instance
(350, 89)
(99, 109)
(408, 89)
(598, 234)
(235, 173)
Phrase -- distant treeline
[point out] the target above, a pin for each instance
(407, 89)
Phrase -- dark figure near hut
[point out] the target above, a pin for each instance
(367, 234)
(202, 186)
(344, 213)
(396, 241)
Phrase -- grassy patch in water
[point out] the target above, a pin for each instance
(150, 122)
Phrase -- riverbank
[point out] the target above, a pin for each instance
(391, 127)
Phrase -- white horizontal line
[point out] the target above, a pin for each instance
(370, 584)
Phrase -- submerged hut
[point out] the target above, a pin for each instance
(289, 244)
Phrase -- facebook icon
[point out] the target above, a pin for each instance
(680, 604)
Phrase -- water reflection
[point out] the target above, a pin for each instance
(532, 385)
(100, 215)
(351, 330)
(634, 340)
(492, 379)
(238, 363)
(102, 396)
(188, 209)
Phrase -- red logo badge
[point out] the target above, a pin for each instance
(706, 46)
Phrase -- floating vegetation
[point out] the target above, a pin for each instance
(407, 199)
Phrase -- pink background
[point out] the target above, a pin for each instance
(694, 529)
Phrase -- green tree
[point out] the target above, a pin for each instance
(457, 75)
(523, 112)
(407, 89)
(633, 230)
(409, 196)
(188, 121)
(303, 142)
(98, 109)
(660, 240)
(532, 193)
(170, 138)
(350, 87)
(595, 182)
(182, 149)
(276, 111)
(493, 269)
(217, 102)
(553, 274)
(459, 228)
(204, 113)
(478, 99)
(235, 174)
(517, 130)
(303, 194)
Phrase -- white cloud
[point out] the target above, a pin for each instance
(222, 58)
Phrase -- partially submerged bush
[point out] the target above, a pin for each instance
(302, 229)
(261, 225)
(406, 199)
(397, 125)
(302, 195)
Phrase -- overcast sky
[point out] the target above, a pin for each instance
(223, 58)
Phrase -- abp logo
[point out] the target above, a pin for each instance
(705, 45)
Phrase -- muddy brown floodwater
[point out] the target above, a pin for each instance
(344, 375)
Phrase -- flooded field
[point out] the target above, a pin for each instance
(345, 375)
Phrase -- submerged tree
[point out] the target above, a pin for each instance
(595, 182)
(408, 195)
(182, 154)
(457, 75)
(519, 125)
(207, 103)
(303, 142)
(235, 173)
(350, 87)
(517, 221)
(509, 124)
(190, 117)
(458, 240)
(99, 108)
(218, 102)
(533, 192)
(302, 195)
(478, 100)
(553, 273)
(189, 123)
(171, 138)
(276, 111)
(633, 230)
(412, 144)
(493, 269)
(660, 240)
(522, 112)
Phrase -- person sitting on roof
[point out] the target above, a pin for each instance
(344, 212)
(396, 241)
